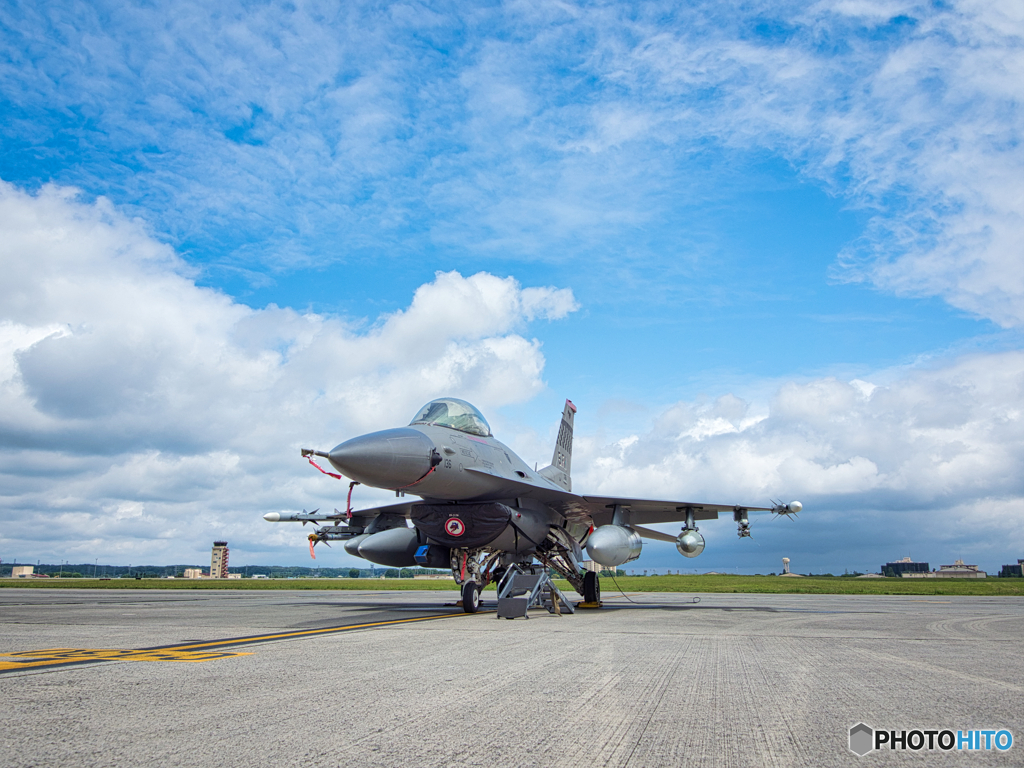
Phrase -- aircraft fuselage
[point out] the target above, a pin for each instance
(437, 463)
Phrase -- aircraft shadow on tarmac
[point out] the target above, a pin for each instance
(486, 605)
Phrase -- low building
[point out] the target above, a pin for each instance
(958, 570)
(1013, 571)
(194, 573)
(901, 567)
(234, 575)
(22, 571)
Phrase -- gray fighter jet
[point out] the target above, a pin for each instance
(483, 510)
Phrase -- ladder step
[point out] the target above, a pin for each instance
(522, 589)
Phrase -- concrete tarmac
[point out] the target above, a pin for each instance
(735, 680)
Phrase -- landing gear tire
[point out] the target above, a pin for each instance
(591, 588)
(470, 597)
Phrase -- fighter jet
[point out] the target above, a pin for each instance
(483, 510)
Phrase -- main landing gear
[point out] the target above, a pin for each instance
(470, 597)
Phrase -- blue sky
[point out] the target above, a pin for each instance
(783, 243)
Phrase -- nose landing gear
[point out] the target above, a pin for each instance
(470, 597)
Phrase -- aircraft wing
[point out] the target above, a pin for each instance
(597, 508)
(647, 511)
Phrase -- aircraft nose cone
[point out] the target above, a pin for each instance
(390, 459)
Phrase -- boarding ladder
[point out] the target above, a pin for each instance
(529, 586)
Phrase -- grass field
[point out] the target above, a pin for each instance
(749, 584)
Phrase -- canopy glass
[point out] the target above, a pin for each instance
(454, 414)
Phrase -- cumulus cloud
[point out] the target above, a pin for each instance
(137, 405)
(141, 415)
(928, 455)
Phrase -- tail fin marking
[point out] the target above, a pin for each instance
(561, 461)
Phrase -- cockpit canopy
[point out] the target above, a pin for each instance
(455, 414)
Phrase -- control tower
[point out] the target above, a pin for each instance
(219, 560)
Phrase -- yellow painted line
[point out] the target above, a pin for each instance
(53, 656)
(8, 666)
(322, 631)
(185, 652)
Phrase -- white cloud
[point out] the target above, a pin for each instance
(547, 303)
(917, 123)
(134, 403)
(142, 416)
(946, 441)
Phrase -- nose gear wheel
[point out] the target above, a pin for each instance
(470, 597)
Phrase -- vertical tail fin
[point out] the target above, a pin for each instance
(561, 461)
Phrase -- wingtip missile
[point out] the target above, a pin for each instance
(778, 508)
